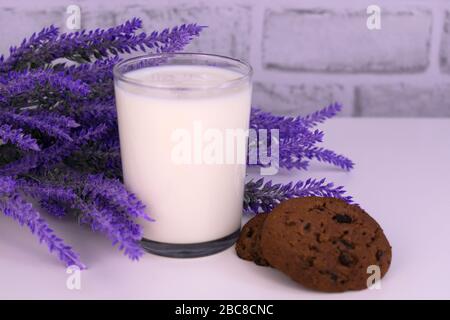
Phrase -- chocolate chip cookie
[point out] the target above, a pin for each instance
(248, 245)
(324, 243)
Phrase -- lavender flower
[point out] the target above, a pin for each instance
(53, 208)
(292, 126)
(22, 57)
(90, 73)
(120, 229)
(53, 154)
(173, 40)
(18, 138)
(24, 213)
(321, 115)
(31, 160)
(293, 154)
(93, 114)
(53, 125)
(297, 140)
(288, 126)
(115, 194)
(46, 191)
(99, 76)
(102, 203)
(263, 197)
(7, 185)
(55, 119)
(328, 156)
(41, 87)
(83, 46)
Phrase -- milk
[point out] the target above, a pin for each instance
(190, 202)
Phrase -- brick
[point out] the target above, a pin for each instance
(228, 31)
(403, 100)
(445, 45)
(339, 41)
(92, 19)
(300, 99)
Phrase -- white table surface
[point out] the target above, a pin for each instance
(402, 178)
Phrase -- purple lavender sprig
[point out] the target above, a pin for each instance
(18, 138)
(21, 57)
(120, 229)
(99, 76)
(84, 46)
(295, 154)
(292, 126)
(287, 126)
(328, 156)
(46, 191)
(54, 208)
(53, 154)
(24, 213)
(263, 196)
(41, 87)
(114, 193)
(54, 125)
(107, 207)
(102, 203)
(322, 115)
(173, 40)
(54, 119)
(7, 185)
(90, 73)
(297, 139)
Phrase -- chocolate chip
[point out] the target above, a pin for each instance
(346, 259)
(310, 261)
(318, 237)
(347, 244)
(342, 218)
(379, 254)
(333, 276)
(307, 227)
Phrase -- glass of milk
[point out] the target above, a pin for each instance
(183, 124)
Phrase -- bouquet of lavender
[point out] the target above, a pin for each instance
(59, 140)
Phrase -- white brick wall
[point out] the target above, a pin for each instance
(306, 54)
(287, 97)
(339, 41)
(401, 100)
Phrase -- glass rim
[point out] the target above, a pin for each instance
(120, 75)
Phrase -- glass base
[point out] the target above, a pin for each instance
(190, 250)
